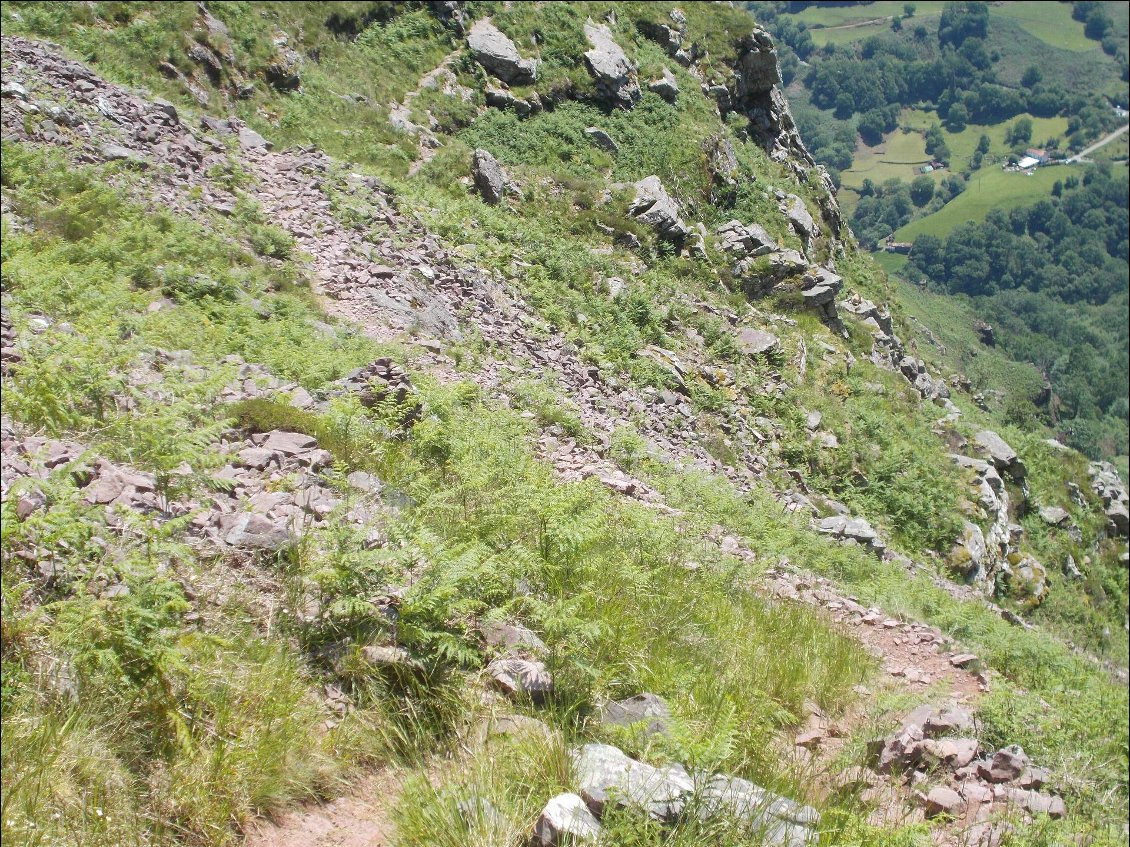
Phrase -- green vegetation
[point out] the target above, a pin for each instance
(1026, 271)
(986, 190)
(487, 516)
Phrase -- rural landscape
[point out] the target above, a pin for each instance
(510, 424)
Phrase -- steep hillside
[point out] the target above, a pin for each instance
(995, 123)
(439, 423)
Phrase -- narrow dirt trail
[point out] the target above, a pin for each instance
(361, 818)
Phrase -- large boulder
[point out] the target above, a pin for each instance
(489, 177)
(606, 775)
(499, 55)
(654, 207)
(799, 218)
(613, 71)
(1002, 456)
(776, 820)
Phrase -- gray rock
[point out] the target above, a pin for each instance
(754, 342)
(1034, 778)
(249, 139)
(385, 656)
(489, 177)
(480, 812)
(821, 285)
(167, 109)
(655, 208)
(504, 99)
(1118, 515)
(602, 139)
(565, 820)
(498, 54)
(13, 89)
(1037, 803)
(118, 153)
(362, 481)
(902, 750)
(799, 218)
(615, 75)
(1002, 456)
(511, 637)
(666, 87)
(521, 677)
(786, 263)
(852, 529)
(970, 551)
(285, 72)
(669, 38)
(648, 709)
(605, 775)
(1054, 515)
(289, 443)
(1070, 568)
(745, 239)
(947, 722)
(251, 531)
(513, 727)
(955, 753)
(776, 820)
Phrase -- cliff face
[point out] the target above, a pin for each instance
(502, 379)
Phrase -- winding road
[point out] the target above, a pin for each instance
(1086, 151)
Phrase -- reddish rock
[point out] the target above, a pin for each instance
(1006, 765)
(944, 801)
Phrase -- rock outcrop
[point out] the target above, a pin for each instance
(612, 70)
(1003, 457)
(654, 207)
(499, 55)
(488, 176)
(1108, 486)
(607, 776)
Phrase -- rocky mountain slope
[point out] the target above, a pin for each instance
(556, 468)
